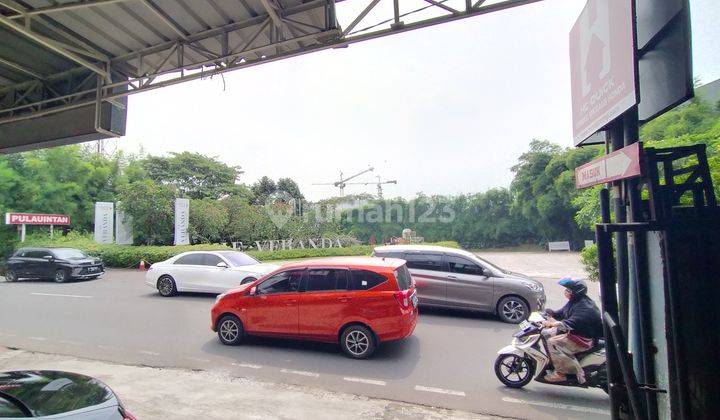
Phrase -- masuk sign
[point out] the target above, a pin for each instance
(602, 66)
(620, 164)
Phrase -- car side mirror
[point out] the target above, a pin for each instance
(221, 264)
(253, 291)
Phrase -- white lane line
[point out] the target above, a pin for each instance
(197, 359)
(439, 390)
(37, 338)
(104, 347)
(59, 295)
(151, 353)
(301, 373)
(365, 381)
(246, 365)
(558, 406)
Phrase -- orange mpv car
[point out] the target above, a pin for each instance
(357, 302)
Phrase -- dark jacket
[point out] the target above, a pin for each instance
(582, 316)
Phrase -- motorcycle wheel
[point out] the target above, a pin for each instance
(513, 371)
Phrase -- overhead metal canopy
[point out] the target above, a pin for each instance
(58, 56)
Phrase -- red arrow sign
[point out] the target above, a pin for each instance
(620, 164)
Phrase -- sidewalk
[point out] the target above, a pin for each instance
(151, 393)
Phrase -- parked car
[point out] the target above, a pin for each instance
(59, 264)
(47, 394)
(357, 302)
(454, 278)
(205, 271)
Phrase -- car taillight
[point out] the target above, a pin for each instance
(403, 298)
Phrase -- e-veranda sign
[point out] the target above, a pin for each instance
(273, 244)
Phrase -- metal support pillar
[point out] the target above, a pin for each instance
(639, 289)
(615, 138)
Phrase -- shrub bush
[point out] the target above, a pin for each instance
(126, 256)
(448, 244)
(589, 258)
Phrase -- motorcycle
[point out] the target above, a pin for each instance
(527, 357)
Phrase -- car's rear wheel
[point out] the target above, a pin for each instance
(513, 309)
(247, 280)
(166, 286)
(10, 276)
(230, 330)
(358, 342)
(61, 276)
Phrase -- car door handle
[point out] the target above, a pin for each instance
(345, 299)
(452, 277)
(290, 302)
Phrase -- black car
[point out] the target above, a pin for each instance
(52, 394)
(59, 264)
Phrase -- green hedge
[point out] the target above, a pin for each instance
(127, 256)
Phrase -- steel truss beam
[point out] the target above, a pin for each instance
(245, 54)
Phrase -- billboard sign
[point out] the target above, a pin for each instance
(620, 164)
(104, 218)
(182, 218)
(602, 66)
(36, 219)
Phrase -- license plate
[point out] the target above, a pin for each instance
(524, 325)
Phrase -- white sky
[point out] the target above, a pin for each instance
(443, 110)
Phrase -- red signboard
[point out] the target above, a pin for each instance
(602, 66)
(620, 164)
(36, 219)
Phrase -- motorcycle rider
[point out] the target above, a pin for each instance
(573, 328)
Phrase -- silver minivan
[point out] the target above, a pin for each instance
(454, 278)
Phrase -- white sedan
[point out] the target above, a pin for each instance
(205, 271)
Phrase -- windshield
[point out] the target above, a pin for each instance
(69, 254)
(238, 259)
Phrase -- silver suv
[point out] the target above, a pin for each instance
(449, 277)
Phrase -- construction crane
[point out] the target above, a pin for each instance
(379, 184)
(343, 181)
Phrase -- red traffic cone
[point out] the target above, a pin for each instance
(142, 265)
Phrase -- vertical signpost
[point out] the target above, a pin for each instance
(104, 215)
(182, 217)
(123, 228)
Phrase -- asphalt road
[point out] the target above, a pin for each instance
(447, 362)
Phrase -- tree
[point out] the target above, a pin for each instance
(290, 187)
(151, 206)
(208, 219)
(262, 189)
(194, 175)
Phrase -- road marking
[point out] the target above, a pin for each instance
(365, 381)
(246, 365)
(558, 406)
(104, 347)
(37, 338)
(301, 373)
(439, 390)
(151, 353)
(59, 295)
(197, 359)
(72, 343)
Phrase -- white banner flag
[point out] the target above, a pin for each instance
(123, 228)
(104, 216)
(182, 217)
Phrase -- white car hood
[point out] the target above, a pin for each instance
(257, 268)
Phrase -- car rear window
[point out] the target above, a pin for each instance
(365, 279)
(388, 254)
(403, 277)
